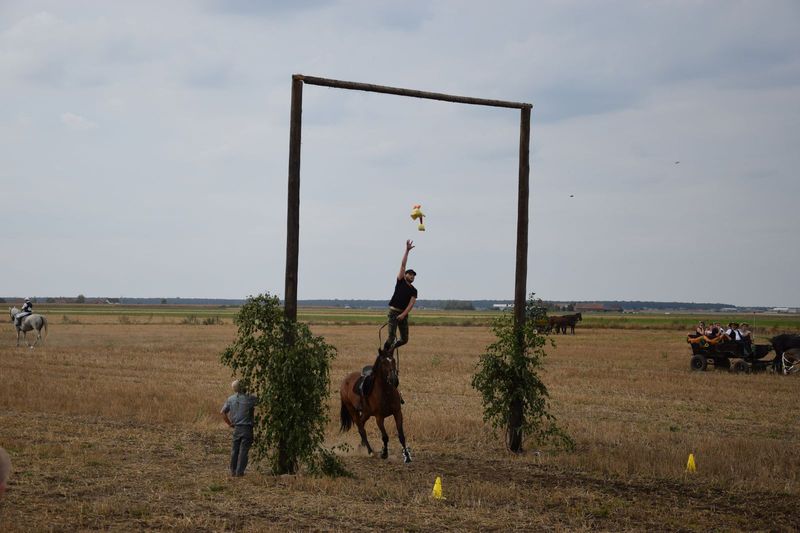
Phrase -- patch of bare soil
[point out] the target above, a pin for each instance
(84, 473)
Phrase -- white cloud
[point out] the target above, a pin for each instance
(77, 122)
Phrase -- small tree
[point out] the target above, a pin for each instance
(514, 397)
(291, 382)
(81, 299)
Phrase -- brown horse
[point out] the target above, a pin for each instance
(381, 401)
(561, 323)
(787, 353)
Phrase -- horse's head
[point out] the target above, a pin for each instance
(386, 365)
(12, 311)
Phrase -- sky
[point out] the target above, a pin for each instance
(144, 148)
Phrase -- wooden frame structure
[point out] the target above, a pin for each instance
(293, 212)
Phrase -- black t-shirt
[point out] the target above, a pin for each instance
(402, 294)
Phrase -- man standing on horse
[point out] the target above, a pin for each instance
(403, 300)
(27, 309)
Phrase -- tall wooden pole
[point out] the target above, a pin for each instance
(522, 215)
(293, 208)
(515, 416)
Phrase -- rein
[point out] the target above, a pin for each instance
(380, 344)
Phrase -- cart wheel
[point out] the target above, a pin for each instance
(722, 364)
(698, 362)
(741, 367)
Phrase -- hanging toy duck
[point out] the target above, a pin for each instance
(416, 213)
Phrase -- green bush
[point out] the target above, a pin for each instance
(291, 381)
(514, 397)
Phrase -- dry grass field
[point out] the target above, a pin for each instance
(114, 426)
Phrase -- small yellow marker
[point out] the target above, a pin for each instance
(437, 489)
(690, 466)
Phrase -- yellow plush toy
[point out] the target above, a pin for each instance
(416, 213)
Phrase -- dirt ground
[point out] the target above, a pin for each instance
(115, 427)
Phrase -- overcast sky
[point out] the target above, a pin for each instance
(144, 148)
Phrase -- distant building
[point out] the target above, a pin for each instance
(502, 307)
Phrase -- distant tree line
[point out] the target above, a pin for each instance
(451, 304)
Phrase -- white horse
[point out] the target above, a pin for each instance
(29, 323)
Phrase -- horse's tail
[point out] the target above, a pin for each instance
(44, 325)
(347, 421)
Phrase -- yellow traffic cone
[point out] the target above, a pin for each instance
(690, 466)
(437, 489)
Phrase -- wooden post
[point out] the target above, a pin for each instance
(293, 208)
(515, 415)
(522, 216)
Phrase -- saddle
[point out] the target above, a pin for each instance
(363, 384)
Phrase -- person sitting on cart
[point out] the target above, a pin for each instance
(733, 332)
(700, 330)
(747, 338)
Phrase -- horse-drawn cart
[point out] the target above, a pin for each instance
(724, 353)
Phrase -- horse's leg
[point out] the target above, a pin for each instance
(18, 332)
(361, 431)
(398, 420)
(384, 436)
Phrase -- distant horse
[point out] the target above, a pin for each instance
(563, 322)
(787, 352)
(29, 323)
(381, 401)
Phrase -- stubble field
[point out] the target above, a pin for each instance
(115, 426)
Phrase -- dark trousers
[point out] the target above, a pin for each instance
(392, 341)
(242, 440)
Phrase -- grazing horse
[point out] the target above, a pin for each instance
(787, 352)
(381, 401)
(564, 322)
(29, 323)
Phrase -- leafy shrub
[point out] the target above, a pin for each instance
(514, 397)
(291, 381)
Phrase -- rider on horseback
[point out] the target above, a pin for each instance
(27, 309)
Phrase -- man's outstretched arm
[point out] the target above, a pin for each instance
(402, 273)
